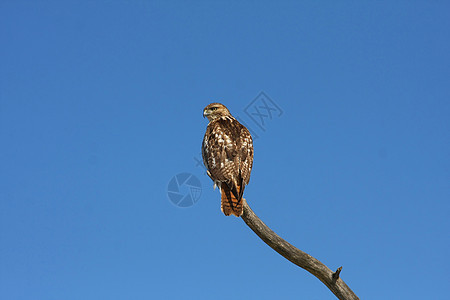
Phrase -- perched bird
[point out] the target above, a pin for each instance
(227, 151)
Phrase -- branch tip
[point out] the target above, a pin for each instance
(336, 274)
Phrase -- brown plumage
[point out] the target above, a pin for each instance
(227, 151)
(230, 205)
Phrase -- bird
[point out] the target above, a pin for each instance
(227, 152)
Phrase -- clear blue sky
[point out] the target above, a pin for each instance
(101, 105)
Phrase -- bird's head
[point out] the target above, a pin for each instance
(215, 110)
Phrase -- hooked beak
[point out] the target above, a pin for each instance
(206, 113)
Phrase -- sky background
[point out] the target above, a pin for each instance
(101, 106)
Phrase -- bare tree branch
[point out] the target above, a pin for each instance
(329, 278)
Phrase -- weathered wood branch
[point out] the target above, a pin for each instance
(331, 279)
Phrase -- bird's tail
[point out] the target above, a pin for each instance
(231, 205)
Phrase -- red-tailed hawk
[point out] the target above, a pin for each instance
(227, 152)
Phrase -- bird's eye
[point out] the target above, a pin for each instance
(213, 108)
